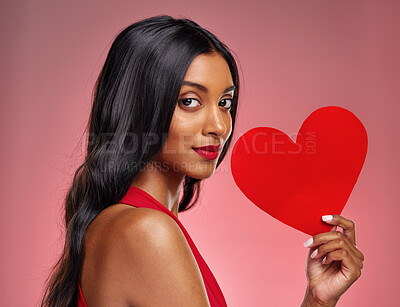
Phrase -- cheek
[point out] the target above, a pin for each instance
(180, 137)
(184, 128)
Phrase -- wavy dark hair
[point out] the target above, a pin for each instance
(134, 95)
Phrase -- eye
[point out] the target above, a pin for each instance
(187, 102)
(228, 102)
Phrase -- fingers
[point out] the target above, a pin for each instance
(347, 225)
(334, 245)
(323, 238)
(347, 261)
(338, 246)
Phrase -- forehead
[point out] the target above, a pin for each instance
(209, 69)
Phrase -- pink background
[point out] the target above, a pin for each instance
(295, 56)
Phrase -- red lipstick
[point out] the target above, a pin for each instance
(209, 152)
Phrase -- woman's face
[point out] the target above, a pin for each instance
(202, 117)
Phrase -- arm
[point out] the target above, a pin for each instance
(153, 265)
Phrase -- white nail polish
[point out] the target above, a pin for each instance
(324, 260)
(308, 242)
(314, 253)
(327, 218)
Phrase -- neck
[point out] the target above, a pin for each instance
(165, 187)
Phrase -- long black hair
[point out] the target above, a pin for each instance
(133, 103)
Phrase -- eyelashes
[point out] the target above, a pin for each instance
(188, 101)
(185, 101)
(230, 104)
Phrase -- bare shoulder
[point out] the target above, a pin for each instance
(143, 259)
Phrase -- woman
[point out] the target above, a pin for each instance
(167, 87)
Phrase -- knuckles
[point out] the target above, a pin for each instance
(344, 253)
(339, 235)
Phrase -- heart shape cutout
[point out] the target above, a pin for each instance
(298, 182)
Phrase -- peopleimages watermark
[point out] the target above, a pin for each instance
(182, 143)
(277, 142)
(165, 166)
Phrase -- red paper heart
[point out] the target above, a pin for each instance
(297, 183)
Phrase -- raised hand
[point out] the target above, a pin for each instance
(333, 264)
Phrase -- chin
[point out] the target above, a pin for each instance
(201, 174)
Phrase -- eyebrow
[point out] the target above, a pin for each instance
(205, 89)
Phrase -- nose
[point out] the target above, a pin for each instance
(214, 122)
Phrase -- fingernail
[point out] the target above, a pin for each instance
(314, 253)
(327, 218)
(308, 242)
(324, 260)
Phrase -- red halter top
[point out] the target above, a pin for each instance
(139, 198)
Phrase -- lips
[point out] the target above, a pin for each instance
(208, 148)
(209, 152)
